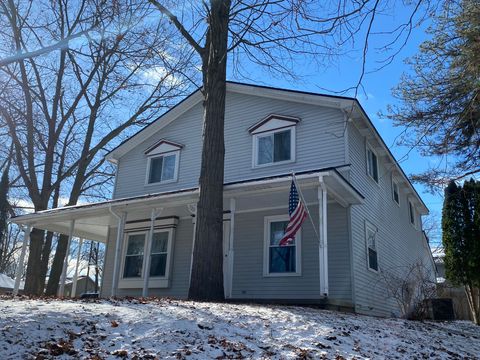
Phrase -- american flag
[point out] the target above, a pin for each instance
(297, 213)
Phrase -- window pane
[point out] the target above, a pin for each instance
(395, 193)
(265, 149)
(133, 266)
(372, 259)
(282, 259)
(277, 230)
(160, 241)
(412, 214)
(168, 167)
(371, 238)
(155, 170)
(282, 146)
(136, 244)
(375, 166)
(158, 265)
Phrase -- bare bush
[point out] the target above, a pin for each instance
(410, 286)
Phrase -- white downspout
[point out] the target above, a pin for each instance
(230, 248)
(323, 244)
(192, 208)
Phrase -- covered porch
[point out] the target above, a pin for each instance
(138, 219)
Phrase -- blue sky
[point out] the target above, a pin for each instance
(378, 85)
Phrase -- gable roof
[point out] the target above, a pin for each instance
(343, 103)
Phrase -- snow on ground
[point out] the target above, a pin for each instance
(162, 329)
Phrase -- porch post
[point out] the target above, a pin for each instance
(148, 249)
(192, 208)
(21, 261)
(118, 249)
(75, 276)
(323, 243)
(230, 247)
(61, 289)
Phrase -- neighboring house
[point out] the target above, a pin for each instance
(445, 289)
(85, 284)
(364, 209)
(7, 284)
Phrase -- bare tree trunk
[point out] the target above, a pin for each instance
(207, 267)
(473, 297)
(32, 280)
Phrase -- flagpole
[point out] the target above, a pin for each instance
(305, 204)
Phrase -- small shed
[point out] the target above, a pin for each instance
(85, 284)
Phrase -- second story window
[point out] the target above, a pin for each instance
(274, 147)
(274, 140)
(372, 164)
(395, 191)
(162, 168)
(412, 214)
(162, 162)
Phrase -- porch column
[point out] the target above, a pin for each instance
(192, 208)
(61, 289)
(148, 260)
(122, 218)
(75, 276)
(323, 243)
(21, 261)
(230, 248)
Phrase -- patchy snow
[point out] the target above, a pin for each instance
(162, 329)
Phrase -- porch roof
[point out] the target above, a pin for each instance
(93, 220)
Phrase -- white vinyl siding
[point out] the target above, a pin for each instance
(318, 144)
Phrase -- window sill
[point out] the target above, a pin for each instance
(161, 182)
(256, 166)
(274, 275)
(138, 283)
(372, 270)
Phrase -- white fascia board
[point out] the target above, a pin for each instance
(287, 95)
(154, 127)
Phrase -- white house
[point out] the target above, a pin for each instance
(366, 214)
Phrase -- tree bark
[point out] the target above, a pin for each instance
(32, 279)
(207, 266)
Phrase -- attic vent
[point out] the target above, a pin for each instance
(163, 146)
(273, 122)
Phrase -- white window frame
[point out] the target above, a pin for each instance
(154, 281)
(370, 227)
(395, 182)
(175, 173)
(367, 149)
(412, 212)
(255, 139)
(266, 248)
